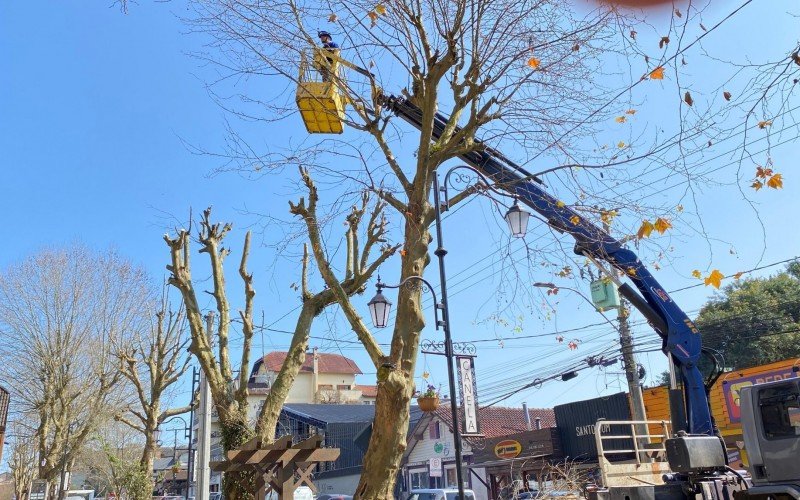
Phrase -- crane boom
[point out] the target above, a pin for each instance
(681, 339)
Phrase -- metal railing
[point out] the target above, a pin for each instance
(648, 450)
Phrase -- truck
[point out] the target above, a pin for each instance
(694, 452)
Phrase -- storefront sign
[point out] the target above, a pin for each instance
(469, 394)
(507, 449)
(731, 388)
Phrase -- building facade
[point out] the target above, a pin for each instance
(429, 460)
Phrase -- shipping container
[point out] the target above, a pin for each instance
(576, 425)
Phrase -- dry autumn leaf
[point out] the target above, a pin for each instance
(775, 182)
(662, 225)
(726, 95)
(620, 119)
(373, 16)
(560, 204)
(738, 275)
(645, 229)
(664, 41)
(534, 62)
(687, 98)
(679, 208)
(764, 123)
(714, 279)
(620, 144)
(380, 9)
(756, 185)
(697, 274)
(678, 13)
(657, 74)
(630, 112)
(575, 220)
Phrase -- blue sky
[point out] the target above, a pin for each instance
(97, 109)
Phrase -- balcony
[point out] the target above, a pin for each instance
(338, 396)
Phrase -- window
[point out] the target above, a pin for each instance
(419, 479)
(780, 411)
(433, 430)
(451, 480)
(325, 387)
(343, 387)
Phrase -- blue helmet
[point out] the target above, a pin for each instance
(323, 33)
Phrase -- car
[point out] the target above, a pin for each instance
(439, 494)
(334, 496)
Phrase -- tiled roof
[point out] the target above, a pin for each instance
(496, 421)
(368, 391)
(326, 363)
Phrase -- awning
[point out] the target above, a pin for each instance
(507, 461)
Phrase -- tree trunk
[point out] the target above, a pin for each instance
(235, 431)
(396, 377)
(148, 455)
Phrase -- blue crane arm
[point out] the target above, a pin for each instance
(679, 334)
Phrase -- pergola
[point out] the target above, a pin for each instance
(281, 466)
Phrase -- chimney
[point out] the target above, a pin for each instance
(538, 423)
(527, 416)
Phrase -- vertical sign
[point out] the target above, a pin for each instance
(469, 394)
(435, 467)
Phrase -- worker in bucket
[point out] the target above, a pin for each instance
(329, 44)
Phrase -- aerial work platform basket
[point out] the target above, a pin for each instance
(320, 103)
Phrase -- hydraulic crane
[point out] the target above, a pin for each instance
(697, 455)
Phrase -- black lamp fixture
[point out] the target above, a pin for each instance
(379, 307)
(517, 219)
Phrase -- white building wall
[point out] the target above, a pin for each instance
(426, 448)
(346, 485)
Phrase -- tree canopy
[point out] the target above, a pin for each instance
(755, 321)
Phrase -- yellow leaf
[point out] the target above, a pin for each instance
(621, 144)
(657, 74)
(738, 275)
(620, 119)
(714, 279)
(425, 375)
(697, 274)
(332, 18)
(560, 204)
(607, 216)
(534, 62)
(764, 123)
(575, 219)
(630, 112)
(756, 185)
(380, 9)
(631, 271)
(645, 229)
(775, 182)
(662, 225)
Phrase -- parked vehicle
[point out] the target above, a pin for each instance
(334, 496)
(439, 494)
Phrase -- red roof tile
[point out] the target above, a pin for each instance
(326, 363)
(496, 421)
(368, 391)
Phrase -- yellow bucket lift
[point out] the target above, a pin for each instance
(318, 98)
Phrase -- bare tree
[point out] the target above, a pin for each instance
(229, 392)
(62, 314)
(23, 458)
(152, 362)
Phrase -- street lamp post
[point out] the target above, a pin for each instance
(187, 434)
(379, 306)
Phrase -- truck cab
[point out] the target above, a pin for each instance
(771, 425)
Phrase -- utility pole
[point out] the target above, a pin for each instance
(631, 370)
(204, 431)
